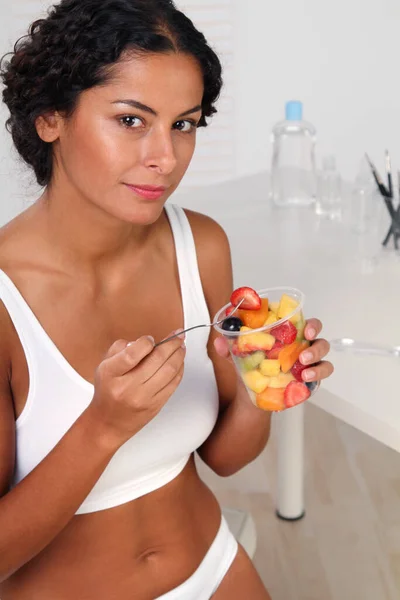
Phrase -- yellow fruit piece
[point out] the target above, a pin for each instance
(255, 381)
(272, 318)
(281, 380)
(286, 306)
(270, 367)
(273, 306)
(255, 341)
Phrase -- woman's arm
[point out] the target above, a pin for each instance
(242, 430)
(132, 384)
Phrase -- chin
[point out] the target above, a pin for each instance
(143, 213)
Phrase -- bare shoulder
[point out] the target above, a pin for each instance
(214, 259)
(16, 237)
(209, 235)
(213, 249)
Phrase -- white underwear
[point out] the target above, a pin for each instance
(205, 580)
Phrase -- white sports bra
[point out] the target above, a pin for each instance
(58, 395)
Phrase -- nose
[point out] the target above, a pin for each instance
(159, 151)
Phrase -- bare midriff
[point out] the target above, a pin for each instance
(140, 549)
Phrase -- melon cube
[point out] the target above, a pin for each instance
(300, 326)
(253, 342)
(255, 381)
(252, 361)
(281, 380)
(270, 367)
(271, 399)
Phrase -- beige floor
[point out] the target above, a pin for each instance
(348, 545)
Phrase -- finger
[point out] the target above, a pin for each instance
(317, 372)
(159, 357)
(221, 346)
(179, 333)
(117, 346)
(313, 329)
(162, 395)
(314, 353)
(166, 373)
(129, 357)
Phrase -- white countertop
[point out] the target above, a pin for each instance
(353, 297)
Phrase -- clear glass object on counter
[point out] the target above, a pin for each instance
(365, 204)
(329, 198)
(367, 220)
(293, 172)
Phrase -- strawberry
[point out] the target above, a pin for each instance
(229, 310)
(296, 393)
(297, 370)
(274, 352)
(252, 300)
(285, 333)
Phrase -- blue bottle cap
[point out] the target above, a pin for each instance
(294, 111)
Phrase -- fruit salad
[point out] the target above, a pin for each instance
(266, 338)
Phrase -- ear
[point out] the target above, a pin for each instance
(48, 126)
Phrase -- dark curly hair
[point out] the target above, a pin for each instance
(73, 49)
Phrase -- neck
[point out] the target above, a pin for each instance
(83, 234)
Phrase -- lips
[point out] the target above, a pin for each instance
(150, 192)
(150, 188)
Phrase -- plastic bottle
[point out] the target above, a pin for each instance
(293, 172)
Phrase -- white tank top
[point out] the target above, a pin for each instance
(58, 395)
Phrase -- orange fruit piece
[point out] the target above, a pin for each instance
(254, 318)
(290, 354)
(271, 399)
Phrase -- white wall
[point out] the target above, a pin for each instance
(341, 58)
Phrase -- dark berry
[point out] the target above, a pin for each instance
(311, 385)
(232, 324)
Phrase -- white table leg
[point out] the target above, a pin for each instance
(290, 497)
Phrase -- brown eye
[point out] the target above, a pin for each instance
(185, 126)
(131, 122)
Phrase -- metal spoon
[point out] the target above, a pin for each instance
(358, 347)
(197, 326)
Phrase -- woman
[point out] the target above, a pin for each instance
(100, 498)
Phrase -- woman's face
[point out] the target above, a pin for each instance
(137, 130)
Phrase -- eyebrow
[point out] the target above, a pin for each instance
(140, 106)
